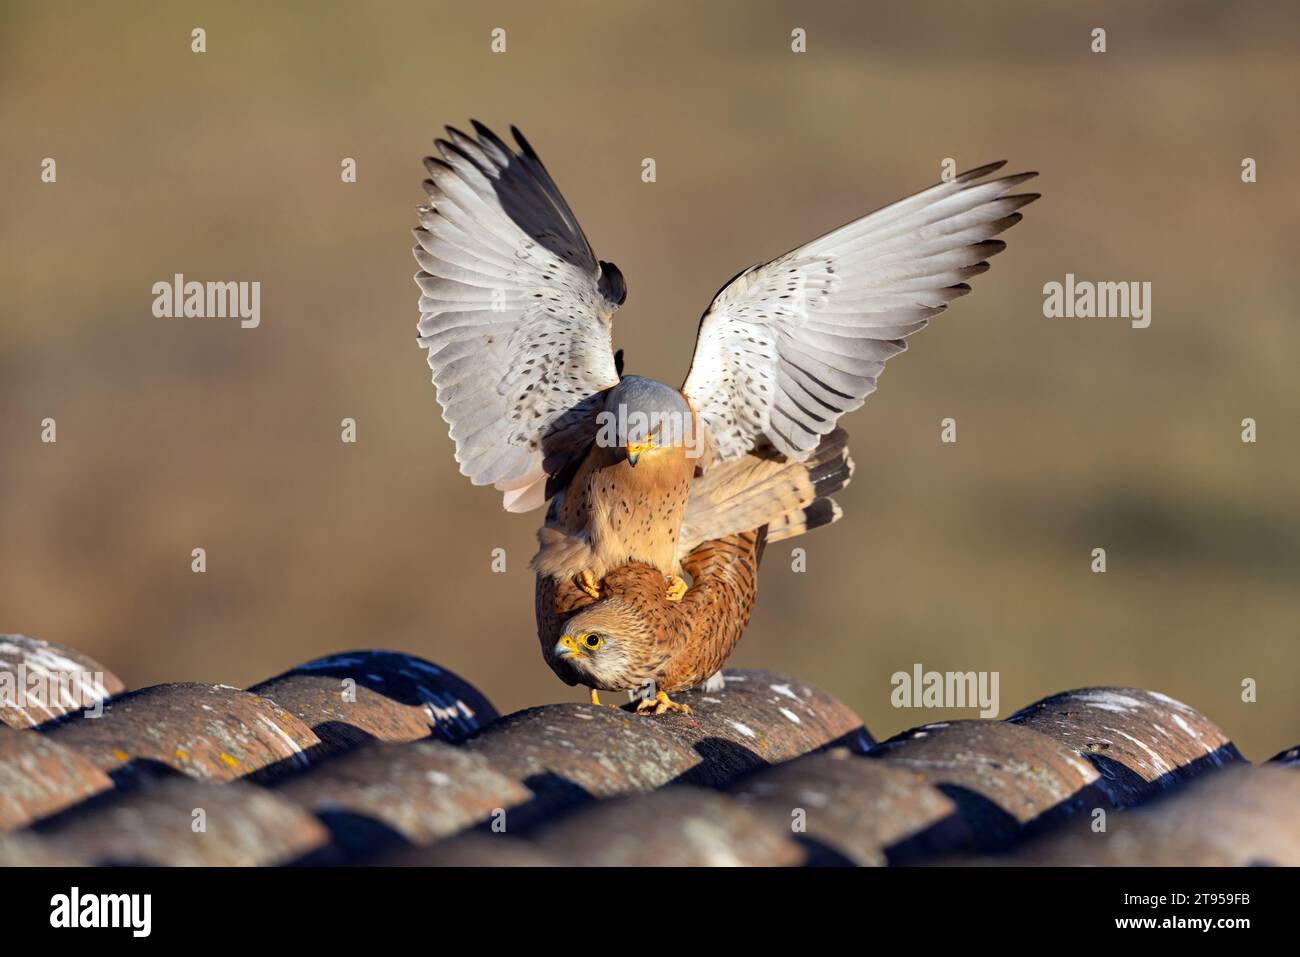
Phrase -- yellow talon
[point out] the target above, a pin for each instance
(587, 582)
(595, 699)
(659, 704)
(676, 588)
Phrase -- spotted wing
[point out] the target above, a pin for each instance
(515, 313)
(788, 347)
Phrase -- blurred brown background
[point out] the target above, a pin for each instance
(1073, 434)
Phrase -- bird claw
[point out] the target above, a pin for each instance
(659, 704)
(676, 588)
(595, 699)
(587, 582)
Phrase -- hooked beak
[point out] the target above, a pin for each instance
(635, 450)
(566, 647)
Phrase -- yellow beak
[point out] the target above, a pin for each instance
(566, 647)
(636, 449)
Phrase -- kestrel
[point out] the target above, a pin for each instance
(637, 638)
(516, 317)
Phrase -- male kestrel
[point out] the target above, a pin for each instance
(516, 317)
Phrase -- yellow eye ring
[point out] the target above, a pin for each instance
(591, 641)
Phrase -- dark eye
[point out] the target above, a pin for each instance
(591, 641)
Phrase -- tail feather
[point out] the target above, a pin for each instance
(758, 489)
(819, 512)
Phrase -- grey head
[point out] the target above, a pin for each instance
(641, 414)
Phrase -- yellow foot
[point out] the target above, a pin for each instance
(659, 704)
(587, 582)
(676, 588)
(595, 699)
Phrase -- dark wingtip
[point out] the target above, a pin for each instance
(980, 171)
(523, 142)
(430, 162)
(612, 284)
(486, 135)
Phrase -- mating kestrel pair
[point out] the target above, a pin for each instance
(516, 316)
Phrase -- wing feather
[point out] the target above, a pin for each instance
(515, 314)
(788, 347)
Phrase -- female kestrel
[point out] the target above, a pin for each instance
(635, 639)
(516, 317)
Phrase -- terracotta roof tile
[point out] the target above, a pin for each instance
(853, 810)
(679, 826)
(206, 731)
(359, 696)
(1002, 777)
(23, 657)
(567, 754)
(1241, 816)
(179, 821)
(760, 718)
(389, 794)
(1140, 741)
(38, 776)
(379, 757)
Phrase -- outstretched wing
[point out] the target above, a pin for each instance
(787, 348)
(515, 314)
